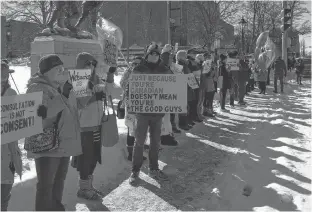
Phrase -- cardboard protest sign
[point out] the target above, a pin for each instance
(207, 66)
(176, 68)
(19, 117)
(157, 93)
(232, 64)
(79, 79)
(191, 80)
(110, 53)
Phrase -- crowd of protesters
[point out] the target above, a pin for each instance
(78, 119)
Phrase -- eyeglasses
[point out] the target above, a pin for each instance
(89, 63)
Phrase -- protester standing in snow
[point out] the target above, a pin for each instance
(208, 81)
(150, 65)
(262, 77)
(279, 68)
(52, 166)
(299, 65)
(184, 124)
(124, 84)
(11, 161)
(226, 81)
(167, 137)
(90, 116)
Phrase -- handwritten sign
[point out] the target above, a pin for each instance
(110, 53)
(191, 81)
(157, 93)
(176, 68)
(232, 64)
(79, 79)
(19, 117)
(207, 66)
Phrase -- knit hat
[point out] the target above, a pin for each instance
(167, 48)
(200, 57)
(46, 63)
(181, 55)
(152, 47)
(222, 57)
(83, 58)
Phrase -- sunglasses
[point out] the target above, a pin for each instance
(89, 63)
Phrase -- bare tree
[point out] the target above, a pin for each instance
(31, 11)
(204, 18)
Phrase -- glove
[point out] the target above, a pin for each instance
(42, 111)
(100, 95)
(67, 87)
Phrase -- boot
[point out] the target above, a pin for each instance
(168, 140)
(91, 185)
(85, 190)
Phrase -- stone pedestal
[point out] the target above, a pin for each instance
(66, 48)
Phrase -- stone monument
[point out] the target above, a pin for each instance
(67, 40)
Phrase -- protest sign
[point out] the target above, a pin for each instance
(110, 53)
(157, 93)
(79, 79)
(207, 66)
(192, 81)
(19, 117)
(176, 68)
(232, 64)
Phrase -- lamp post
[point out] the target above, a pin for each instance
(242, 22)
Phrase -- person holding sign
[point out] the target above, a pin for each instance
(90, 115)
(226, 80)
(11, 161)
(150, 65)
(181, 59)
(58, 102)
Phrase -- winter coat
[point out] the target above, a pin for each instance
(90, 110)
(209, 78)
(186, 70)
(147, 68)
(227, 77)
(279, 67)
(10, 155)
(261, 75)
(68, 126)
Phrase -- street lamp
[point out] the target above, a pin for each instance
(243, 24)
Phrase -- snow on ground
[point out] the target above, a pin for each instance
(262, 151)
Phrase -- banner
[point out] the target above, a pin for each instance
(191, 80)
(232, 64)
(79, 79)
(176, 68)
(157, 93)
(207, 66)
(19, 117)
(110, 53)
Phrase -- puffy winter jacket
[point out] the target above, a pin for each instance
(69, 128)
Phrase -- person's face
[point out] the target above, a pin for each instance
(57, 74)
(153, 57)
(4, 75)
(90, 65)
(136, 62)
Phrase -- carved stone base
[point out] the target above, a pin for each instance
(66, 48)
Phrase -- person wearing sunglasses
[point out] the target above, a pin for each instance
(151, 64)
(90, 114)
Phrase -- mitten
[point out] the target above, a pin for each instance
(66, 89)
(42, 111)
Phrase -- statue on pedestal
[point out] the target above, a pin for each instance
(66, 12)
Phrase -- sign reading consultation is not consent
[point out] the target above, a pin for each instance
(157, 93)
